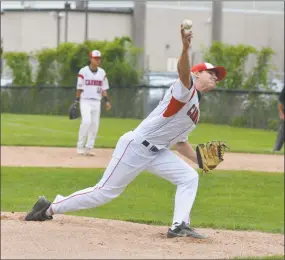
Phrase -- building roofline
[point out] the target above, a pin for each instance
(111, 10)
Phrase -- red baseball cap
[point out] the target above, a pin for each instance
(95, 54)
(221, 71)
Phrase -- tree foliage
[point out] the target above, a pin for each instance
(47, 70)
(20, 66)
(60, 66)
(235, 59)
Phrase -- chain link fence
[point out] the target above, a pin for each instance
(254, 109)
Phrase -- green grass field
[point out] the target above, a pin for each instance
(42, 130)
(226, 199)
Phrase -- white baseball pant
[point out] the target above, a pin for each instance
(90, 115)
(130, 158)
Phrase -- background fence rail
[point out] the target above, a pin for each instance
(255, 109)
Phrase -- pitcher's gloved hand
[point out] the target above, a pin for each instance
(210, 154)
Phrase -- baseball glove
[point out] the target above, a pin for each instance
(73, 111)
(210, 154)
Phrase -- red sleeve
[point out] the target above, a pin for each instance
(179, 97)
(173, 107)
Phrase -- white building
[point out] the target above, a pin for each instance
(31, 25)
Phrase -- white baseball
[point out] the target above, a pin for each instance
(187, 24)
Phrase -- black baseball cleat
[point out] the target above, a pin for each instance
(184, 231)
(38, 212)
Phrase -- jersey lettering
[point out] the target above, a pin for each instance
(92, 82)
(193, 113)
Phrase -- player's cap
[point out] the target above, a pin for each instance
(95, 53)
(221, 71)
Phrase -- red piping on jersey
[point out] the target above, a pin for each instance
(162, 111)
(116, 164)
(96, 188)
(80, 76)
(173, 107)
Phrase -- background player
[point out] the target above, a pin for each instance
(92, 85)
(148, 148)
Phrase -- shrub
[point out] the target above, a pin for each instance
(118, 58)
(60, 66)
(21, 67)
(47, 71)
(239, 121)
(234, 58)
(273, 124)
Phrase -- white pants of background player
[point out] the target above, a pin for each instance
(130, 158)
(90, 115)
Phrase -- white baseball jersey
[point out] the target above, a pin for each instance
(173, 119)
(92, 83)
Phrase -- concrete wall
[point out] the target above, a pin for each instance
(31, 30)
(238, 28)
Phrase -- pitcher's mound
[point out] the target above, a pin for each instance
(67, 237)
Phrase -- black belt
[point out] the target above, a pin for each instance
(153, 148)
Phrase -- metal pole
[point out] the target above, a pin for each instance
(217, 15)
(58, 28)
(67, 7)
(86, 20)
(1, 52)
(138, 30)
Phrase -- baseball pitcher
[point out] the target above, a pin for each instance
(148, 148)
(92, 86)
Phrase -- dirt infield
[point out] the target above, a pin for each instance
(67, 157)
(70, 237)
